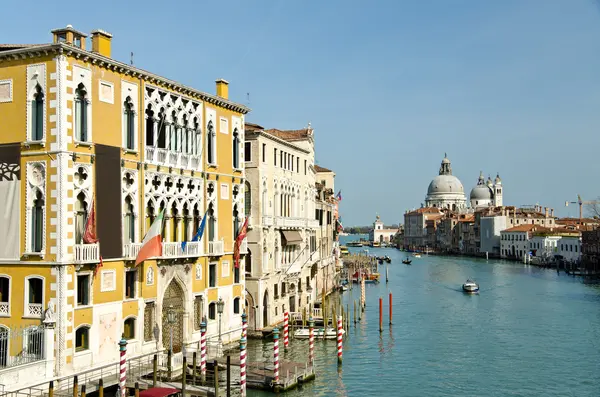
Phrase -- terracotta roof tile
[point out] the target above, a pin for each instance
(318, 168)
(253, 127)
(8, 47)
(290, 135)
(524, 228)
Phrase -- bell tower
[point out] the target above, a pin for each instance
(498, 191)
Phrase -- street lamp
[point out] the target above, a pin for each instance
(220, 306)
(171, 321)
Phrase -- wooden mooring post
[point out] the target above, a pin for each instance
(100, 388)
(228, 375)
(154, 369)
(216, 380)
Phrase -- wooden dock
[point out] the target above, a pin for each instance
(260, 375)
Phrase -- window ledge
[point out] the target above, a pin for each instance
(27, 317)
(212, 165)
(82, 352)
(38, 254)
(88, 306)
(28, 143)
(125, 300)
(130, 151)
(83, 143)
(5, 315)
(239, 169)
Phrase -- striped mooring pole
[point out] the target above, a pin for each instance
(339, 339)
(311, 340)
(244, 325)
(286, 321)
(123, 366)
(243, 366)
(203, 351)
(275, 356)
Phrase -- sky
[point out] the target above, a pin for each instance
(509, 87)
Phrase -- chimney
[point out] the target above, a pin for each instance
(222, 88)
(101, 42)
(546, 211)
(552, 212)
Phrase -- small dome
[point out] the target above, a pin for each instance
(481, 192)
(444, 184)
(498, 181)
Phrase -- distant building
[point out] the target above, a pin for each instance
(380, 233)
(514, 242)
(415, 226)
(446, 190)
(590, 247)
(486, 194)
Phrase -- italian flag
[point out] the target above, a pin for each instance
(152, 245)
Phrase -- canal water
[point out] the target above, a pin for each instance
(530, 332)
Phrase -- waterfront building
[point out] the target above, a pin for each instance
(550, 244)
(446, 190)
(326, 236)
(283, 248)
(83, 134)
(447, 238)
(590, 250)
(467, 234)
(514, 242)
(415, 226)
(487, 194)
(380, 233)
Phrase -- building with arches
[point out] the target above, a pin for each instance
(282, 241)
(84, 133)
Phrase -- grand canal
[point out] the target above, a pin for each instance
(530, 332)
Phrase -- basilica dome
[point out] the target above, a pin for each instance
(444, 184)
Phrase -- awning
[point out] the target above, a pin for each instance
(292, 237)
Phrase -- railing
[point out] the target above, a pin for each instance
(87, 253)
(4, 308)
(216, 248)
(173, 249)
(131, 250)
(35, 310)
(267, 220)
(312, 223)
(21, 346)
(167, 157)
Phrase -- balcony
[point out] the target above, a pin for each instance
(131, 250)
(244, 246)
(34, 310)
(168, 158)
(312, 223)
(267, 220)
(4, 308)
(173, 249)
(216, 248)
(87, 253)
(281, 221)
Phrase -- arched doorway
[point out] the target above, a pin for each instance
(173, 298)
(250, 311)
(4, 338)
(266, 309)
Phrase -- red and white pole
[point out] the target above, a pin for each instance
(245, 326)
(286, 321)
(339, 339)
(311, 340)
(203, 351)
(243, 366)
(123, 366)
(276, 356)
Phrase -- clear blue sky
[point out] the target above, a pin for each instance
(508, 86)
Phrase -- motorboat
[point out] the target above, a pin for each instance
(406, 261)
(417, 255)
(470, 287)
(331, 333)
(387, 259)
(355, 244)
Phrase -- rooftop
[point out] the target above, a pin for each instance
(290, 135)
(523, 228)
(318, 168)
(424, 210)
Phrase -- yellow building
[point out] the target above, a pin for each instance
(80, 130)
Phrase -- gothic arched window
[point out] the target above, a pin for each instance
(129, 123)
(236, 149)
(81, 115)
(37, 114)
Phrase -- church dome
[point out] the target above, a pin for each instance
(481, 192)
(445, 184)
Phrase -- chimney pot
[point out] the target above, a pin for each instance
(222, 88)
(101, 42)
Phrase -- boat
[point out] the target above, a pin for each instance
(406, 261)
(355, 244)
(470, 287)
(417, 255)
(370, 278)
(331, 333)
(344, 250)
(387, 259)
(342, 287)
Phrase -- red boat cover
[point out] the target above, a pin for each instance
(158, 392)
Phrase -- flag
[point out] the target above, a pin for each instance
(152, 245)
(199, 233)
(238, 241)
(89, 234)
(339, 196)
(340, 227)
